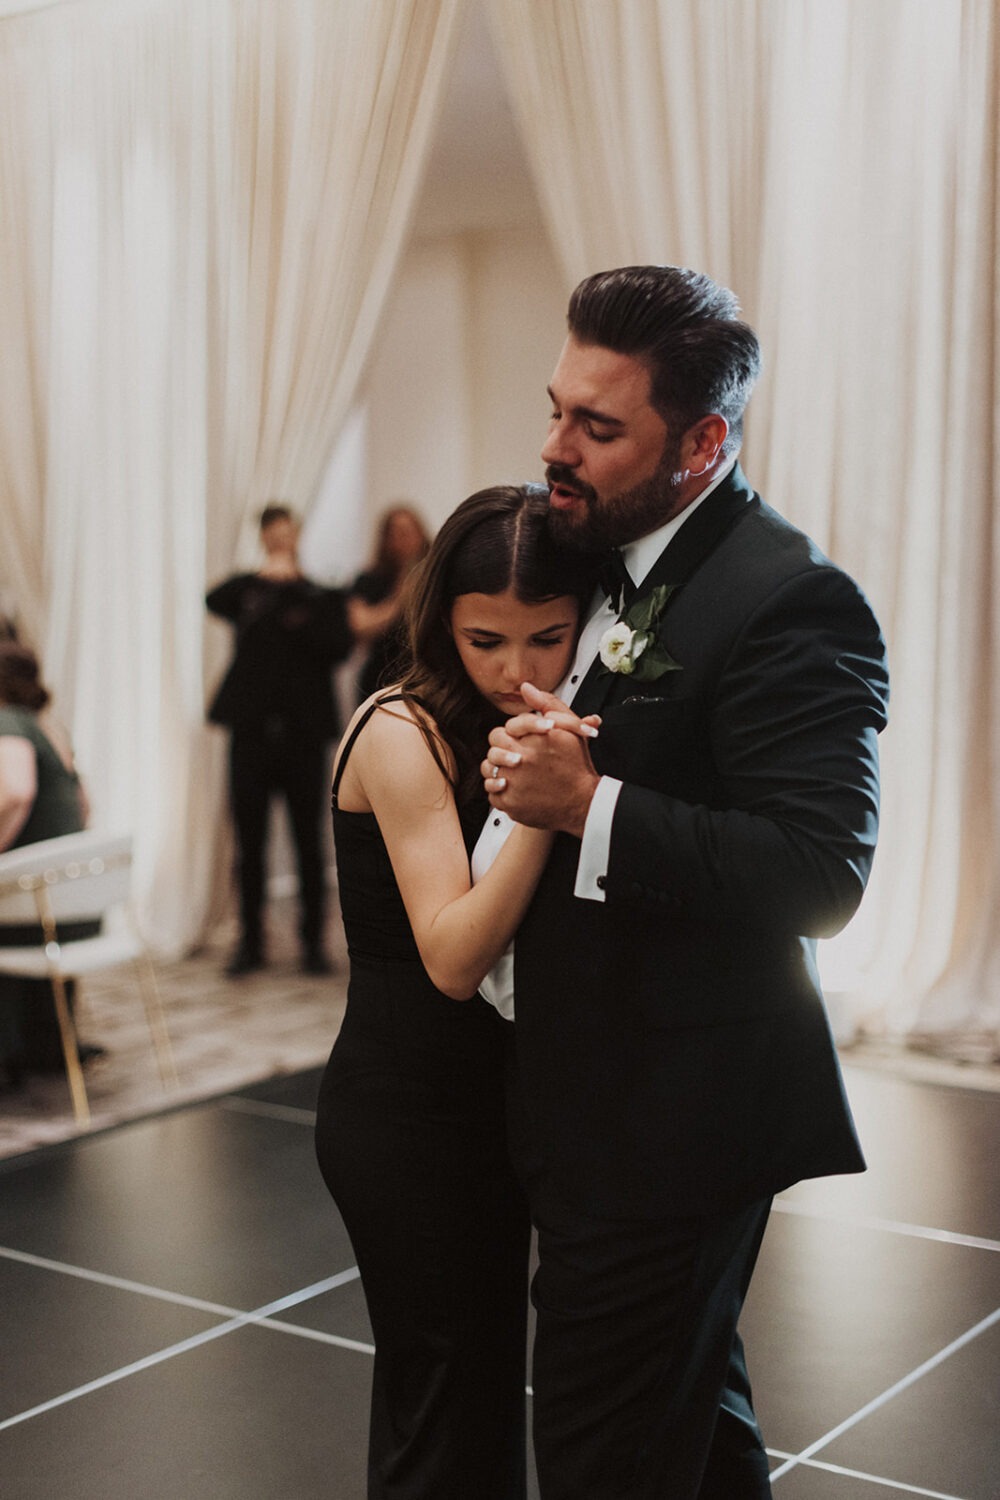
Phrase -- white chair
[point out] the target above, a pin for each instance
(77, 878)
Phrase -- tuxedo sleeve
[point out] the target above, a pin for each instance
(785, 835)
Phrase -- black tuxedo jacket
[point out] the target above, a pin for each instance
(674, 1055)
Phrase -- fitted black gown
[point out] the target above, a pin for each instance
(411, 1143)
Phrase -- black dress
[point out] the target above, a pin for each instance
(411, 1142)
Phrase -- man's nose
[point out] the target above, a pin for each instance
(558, 449)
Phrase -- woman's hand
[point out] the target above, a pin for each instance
(538, 768)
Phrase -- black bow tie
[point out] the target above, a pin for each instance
(616, 580)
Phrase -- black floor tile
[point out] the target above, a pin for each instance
(297, 1090)
(225, 1206)
(60, 1332)
(255, 1415)
(808, 1483)
(838, 1314)
(223, 1201)
(943, 1432)
(932, 1156)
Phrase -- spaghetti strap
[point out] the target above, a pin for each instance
(342, 762)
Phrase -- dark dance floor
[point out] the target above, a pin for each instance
(182, 1320)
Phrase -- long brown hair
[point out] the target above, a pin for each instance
(385, 565)
(21, 683)
(496, 540)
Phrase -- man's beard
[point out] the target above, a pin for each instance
(617, 519)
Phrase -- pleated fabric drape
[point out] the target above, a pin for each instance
(202, 205)
(836, 164)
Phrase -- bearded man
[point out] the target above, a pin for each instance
(674, 1063)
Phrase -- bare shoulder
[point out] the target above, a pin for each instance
(398, 750)
(392, 721)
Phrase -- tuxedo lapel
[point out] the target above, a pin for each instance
(683, 554)
(700, 536)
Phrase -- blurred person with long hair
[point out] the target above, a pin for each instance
(376, 598)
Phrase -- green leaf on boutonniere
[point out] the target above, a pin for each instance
(631, 647)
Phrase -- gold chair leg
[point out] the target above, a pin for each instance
(156, 1022)
(71, 1052)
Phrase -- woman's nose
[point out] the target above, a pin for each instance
(515, 668)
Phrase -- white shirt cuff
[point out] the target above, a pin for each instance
(595, 846)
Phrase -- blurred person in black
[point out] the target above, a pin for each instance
(277, 701)
(375, 600)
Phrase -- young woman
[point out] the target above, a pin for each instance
(410, 1129)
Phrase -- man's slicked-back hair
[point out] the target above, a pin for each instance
(702, 357)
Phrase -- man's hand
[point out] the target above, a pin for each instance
(538, 768)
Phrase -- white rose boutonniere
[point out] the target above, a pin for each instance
(621, 647)
(631, 647)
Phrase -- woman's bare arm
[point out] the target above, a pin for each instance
(18, 785)
(460, 929)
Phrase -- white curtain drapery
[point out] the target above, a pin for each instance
(835, 165)
(202, 205)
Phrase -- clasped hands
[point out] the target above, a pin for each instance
(538, 768)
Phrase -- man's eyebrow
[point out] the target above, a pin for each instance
(588, 412)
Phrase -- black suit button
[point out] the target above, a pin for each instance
(602, 882)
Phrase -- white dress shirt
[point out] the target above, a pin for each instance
(595, 846)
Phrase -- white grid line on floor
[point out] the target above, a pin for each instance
(180, 1299)
(293, 1114)
(887, 1226)
(891, 1484)
(261, 1317)
(891, 1392)
(236, 1319)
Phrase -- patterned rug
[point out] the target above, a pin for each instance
(224, 1034)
